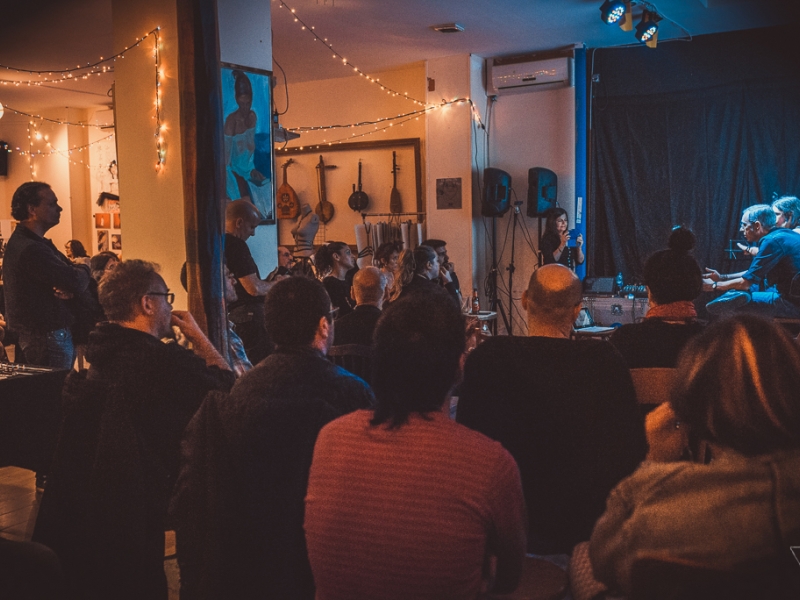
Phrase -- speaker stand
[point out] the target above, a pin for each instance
(494, 303)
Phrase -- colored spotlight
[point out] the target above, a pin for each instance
(612, 11)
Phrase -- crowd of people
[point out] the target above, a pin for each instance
(291, 477)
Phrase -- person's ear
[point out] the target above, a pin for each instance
(576, 311)
(324, 328)
(147, 305)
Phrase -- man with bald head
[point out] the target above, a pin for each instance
(564, 409)
(369, 286)
(247, 312)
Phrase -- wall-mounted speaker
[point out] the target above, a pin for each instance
(496, 192)
(542, 191)
(3, 159)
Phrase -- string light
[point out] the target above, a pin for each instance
(68, 150)
(161, 149)
(48, 120)
(345, 62)
(67, 77)
(406, 118)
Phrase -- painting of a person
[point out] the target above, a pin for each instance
(243, 179)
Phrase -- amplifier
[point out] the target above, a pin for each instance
(611, 312)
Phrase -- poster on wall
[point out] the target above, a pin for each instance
(448, 193)
(248, 137)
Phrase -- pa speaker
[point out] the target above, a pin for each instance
(3, 159)
(496, 192)
(542, 188)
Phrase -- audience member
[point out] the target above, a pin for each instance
(564, 409)
(403, 502)
(386, 259)
(776, 264)
(673, 280)
(333, 260)
(103, 262)
(440, 247)
(787, 213)
(369, 286)
(239, 500)
(76, 252)
(284, 268)
(739, 514)
(39, 280)
(419, 269)
(116, 462)
(247, 312)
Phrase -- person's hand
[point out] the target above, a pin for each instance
(708, 285)
(712, 275)
(667, 437)
(564, 240)
(183, 320)
(445, 275)
(747, 249)
(62, 294)
(579, 240)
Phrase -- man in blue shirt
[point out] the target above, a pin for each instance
(777, 264)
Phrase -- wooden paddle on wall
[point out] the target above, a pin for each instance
(395, 205)
(288, 205)
(324, 209)
(358, 200)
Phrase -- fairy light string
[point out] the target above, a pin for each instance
(345, 62)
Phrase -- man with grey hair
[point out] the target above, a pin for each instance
(564, 409)
(369, 289)
(776, 264)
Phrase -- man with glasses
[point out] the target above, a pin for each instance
(776, 264)
(116, 462)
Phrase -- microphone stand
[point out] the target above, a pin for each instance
(494, 303)
(511, 268)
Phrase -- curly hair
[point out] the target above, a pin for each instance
(323, 258)
(121, 289)
(384, 253)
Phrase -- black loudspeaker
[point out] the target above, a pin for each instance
(542, 189)
(3, 159)
(496, 192)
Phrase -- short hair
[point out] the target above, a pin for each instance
(737, 386)
(553, 303)
(292, 310)
(77, 249)
(552, 216)
(121, 289)
(434, 243)
(385, 251)
(323, 258)
(99, 262)
(673, 275)
(417, 347)
(369, 285)
(28, 194)
(762, 213)
(790, 207)
(241, 209)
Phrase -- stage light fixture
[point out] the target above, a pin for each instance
(612, 11)
(647, 29)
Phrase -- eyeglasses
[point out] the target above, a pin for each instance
(170, 296)
(333, 313)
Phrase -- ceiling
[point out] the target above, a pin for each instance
(373, 34)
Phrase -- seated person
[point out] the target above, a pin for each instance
(403, 502)
(673, 280)
(369, 290)
(565, 409)
(419, 269)
(737, 391)
(333, 261)
(102, 263)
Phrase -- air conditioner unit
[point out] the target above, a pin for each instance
(509, 75)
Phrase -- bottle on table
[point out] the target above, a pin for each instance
(476, 303)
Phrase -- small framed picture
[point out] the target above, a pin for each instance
(116, 241)
(116, 221)
(102, 241)
(102, 221)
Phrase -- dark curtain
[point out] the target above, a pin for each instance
(690, 133)
(201, 141)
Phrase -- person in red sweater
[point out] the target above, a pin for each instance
(403, 502)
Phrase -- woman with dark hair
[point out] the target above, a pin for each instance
(386, 259)
(417, 271)
(76, 252)
(102, 262)
(332, 261)
(554, 245)
(739, 515)
(787, 212)
(673, 280)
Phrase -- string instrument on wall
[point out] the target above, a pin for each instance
(288, 205)
(395, 205)
(324, 209)
(358, 200)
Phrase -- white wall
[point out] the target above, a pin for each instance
(245, 38)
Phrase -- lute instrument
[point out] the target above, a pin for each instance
(395, 205)
(324, 209)
(288, 205)
(358, 200)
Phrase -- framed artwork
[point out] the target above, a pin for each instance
(448, 193)
(247, 130)
(102, 241)
(116, 221)
(102, 221)
(116, 241)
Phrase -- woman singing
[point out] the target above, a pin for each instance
(554, 247)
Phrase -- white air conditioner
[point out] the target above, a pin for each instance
(508, 76)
